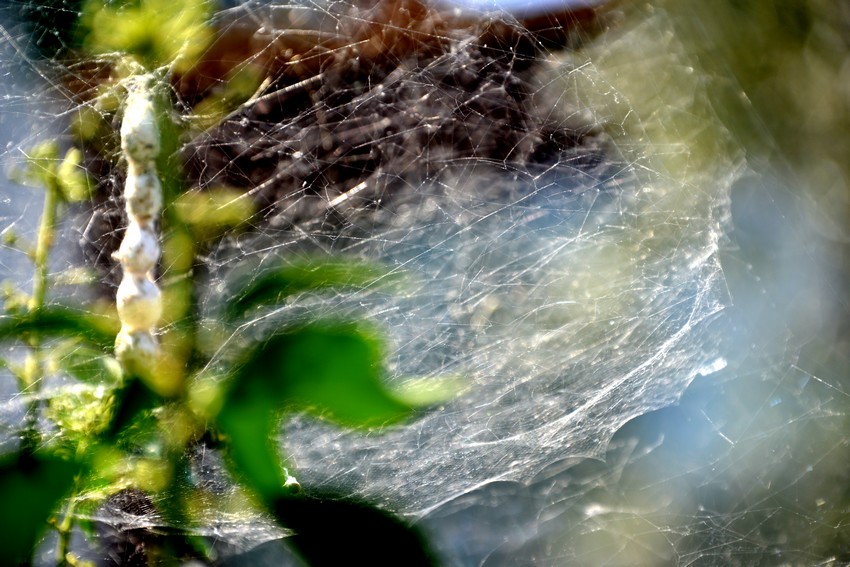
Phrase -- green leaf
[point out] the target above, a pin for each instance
(86, 363)
(40, 168)
(132, 400)
(333, 531)
(157, 32)
(30, 487)
(330, 370)
(210, 213)
(420, 392)
(45, 169)
(59, 321)
(250, 423)
(80, 412)
(72, 178)
(276, 284)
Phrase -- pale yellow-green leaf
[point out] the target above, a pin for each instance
(156, 32)
(72, 177)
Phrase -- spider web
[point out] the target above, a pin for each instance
(522, 273)
(580, 240)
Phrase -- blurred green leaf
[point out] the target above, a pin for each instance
(44, 168)
(248, 418)
(72, 178)
(30, 487)
(238, 87)
(333, 531)
(419, 392)
(85, 363)
(331, 370)
(80, 412)
(132, 400)
(210, 213)
(157, 32)
(60, 321)
(274, 285)
(40, 167)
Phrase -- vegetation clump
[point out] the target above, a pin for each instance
(116, 432)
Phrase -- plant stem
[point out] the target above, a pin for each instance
(34, 365)
(46, 232)
(64, 529)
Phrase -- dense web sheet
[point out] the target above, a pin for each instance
(561, 230)
(570, 295)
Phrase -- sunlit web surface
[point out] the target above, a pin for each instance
(559, 227)
(567, 280)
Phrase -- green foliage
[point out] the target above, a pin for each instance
(238, 87)
(80, 413)
(115, 429)
(30, 488)
(133, 399)
(86, 363)
(276, 284)
(155, 32)
(331, 370)
(209, 214)
(44, 168)
(60, 322)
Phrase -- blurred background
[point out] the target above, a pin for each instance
(750, 466)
